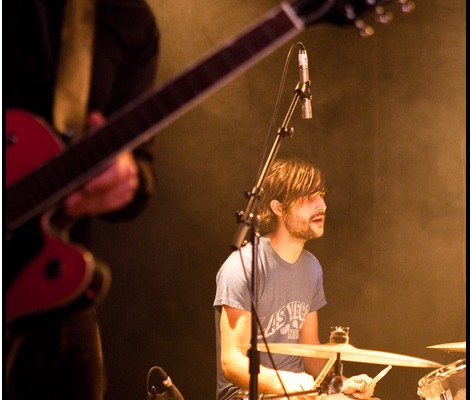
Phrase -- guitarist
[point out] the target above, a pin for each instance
(57, 354)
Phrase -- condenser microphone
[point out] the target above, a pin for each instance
(164, 389)
(304, 81)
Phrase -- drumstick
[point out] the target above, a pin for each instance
(379, 376)
(323, 373)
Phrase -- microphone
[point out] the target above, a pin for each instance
(304, 81)
(165, 390)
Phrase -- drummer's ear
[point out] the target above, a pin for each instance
(276, 207)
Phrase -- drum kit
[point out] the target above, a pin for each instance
(444, 383)
(448, 382)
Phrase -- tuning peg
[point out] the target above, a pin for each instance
(349, 12)
(383, 16)
(363, 29)
(407, 5)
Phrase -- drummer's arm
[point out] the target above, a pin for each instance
(235, 329)
(309, 335)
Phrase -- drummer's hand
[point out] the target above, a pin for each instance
(356, 386)
(297, 382)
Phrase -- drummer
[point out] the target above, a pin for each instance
(292, 211)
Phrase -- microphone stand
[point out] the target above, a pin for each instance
(248, 222)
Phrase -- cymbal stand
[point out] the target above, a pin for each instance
(339, 334)
(336, 384)
(248, 222)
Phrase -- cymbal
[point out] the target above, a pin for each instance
(458, 347)
(347, 352)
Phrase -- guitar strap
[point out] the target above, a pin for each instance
(71, 91)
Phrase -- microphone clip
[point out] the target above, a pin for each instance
(303, 89)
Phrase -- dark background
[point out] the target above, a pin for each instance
(389, 132)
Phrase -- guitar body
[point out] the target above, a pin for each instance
(51, 272)
(29, 144)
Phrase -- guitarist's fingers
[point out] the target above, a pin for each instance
(94, 204)
(111, 190)
(123, 171)
(82, 204)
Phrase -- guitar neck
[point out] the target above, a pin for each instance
(144, 117)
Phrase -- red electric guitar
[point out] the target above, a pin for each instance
(43, 270)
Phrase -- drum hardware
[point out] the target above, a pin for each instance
(319, 379)
(458, 347)
(338, 335)
(446, 383)
(338, 350)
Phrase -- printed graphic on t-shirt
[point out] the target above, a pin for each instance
(288, 320)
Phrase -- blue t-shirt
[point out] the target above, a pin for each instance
(286, 293)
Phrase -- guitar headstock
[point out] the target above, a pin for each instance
(343, 12)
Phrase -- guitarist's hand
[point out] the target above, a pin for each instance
(111, 190)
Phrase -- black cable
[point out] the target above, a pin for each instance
(277, 102)
(151, 391)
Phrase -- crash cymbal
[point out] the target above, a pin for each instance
(347, 353)
(458, 347)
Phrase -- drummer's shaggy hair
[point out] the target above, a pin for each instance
(287, 181)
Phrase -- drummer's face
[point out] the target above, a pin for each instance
(305, 219)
